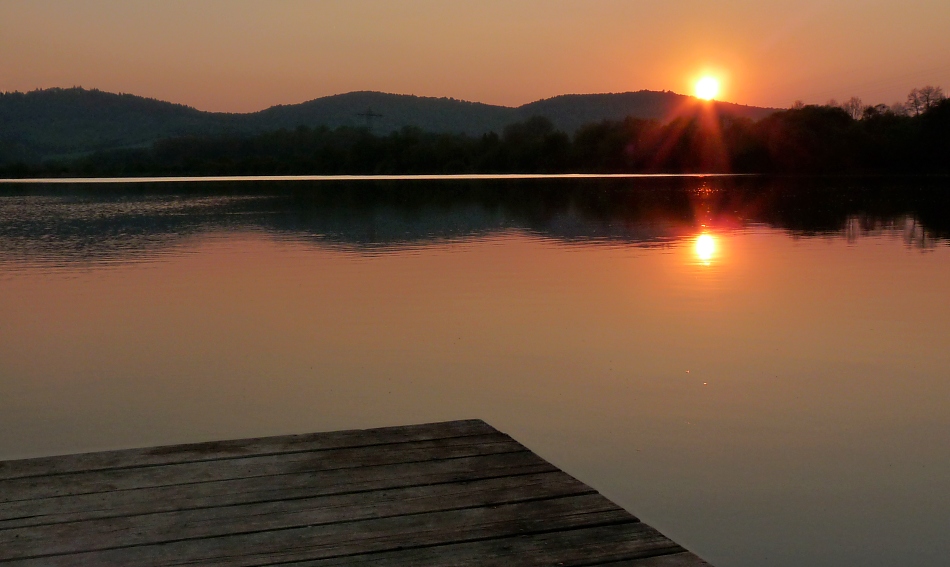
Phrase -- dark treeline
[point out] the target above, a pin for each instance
(802, 140)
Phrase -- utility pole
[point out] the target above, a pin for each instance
(369, 115)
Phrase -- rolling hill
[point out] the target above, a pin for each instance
(58, 123)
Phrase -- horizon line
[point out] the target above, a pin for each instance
(422, 177)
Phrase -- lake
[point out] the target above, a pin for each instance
(758, 368)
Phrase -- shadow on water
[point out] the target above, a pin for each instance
(119, 223)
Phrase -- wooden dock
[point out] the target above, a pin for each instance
(453, 494)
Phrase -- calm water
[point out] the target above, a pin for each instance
(758, 369)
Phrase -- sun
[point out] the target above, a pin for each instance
(707, 88)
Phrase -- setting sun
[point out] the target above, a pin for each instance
(707, 88)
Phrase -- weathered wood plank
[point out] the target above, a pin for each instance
(214, 450)
(584, 546)
(684, 559)
(458, 493)
(351, 538)
(246, 467)
(75, 537)
(231, 492)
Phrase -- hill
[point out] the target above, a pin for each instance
(57, 123)
(570, 112)
(395, 112)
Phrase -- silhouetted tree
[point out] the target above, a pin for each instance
(535, 145)
(854, 107)
(930, 97)
(923, 99)
(934, 142)
(872, 112)
(914, 103)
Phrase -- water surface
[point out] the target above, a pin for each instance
(759, 369)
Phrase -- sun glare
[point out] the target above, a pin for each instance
(705, 247)
(707, 88)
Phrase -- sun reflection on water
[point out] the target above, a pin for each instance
(705, 248)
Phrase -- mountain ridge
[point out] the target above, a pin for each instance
(64, 122)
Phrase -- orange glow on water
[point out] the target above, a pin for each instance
(705, 248)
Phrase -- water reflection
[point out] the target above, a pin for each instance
(705, 248)
(816, 397)
(95, 224)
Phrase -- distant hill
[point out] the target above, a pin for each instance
(569, 112)
(396, 111)
(54, 123)
(60, 122)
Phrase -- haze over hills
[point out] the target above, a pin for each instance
(55, 123)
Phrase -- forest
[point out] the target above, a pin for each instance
(849, 138)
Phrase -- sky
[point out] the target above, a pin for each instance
(245, 55)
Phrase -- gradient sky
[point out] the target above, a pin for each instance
(243, 55)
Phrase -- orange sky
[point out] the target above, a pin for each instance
(241, 55)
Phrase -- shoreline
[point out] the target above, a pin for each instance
(423, 177)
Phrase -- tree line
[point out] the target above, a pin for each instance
(912, 137)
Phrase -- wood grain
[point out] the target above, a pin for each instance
(447, 494)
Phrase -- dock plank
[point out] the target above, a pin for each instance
(212, 450)
(73, 508)
(348, 538)
(116, 532)
(630, 543)
(683, 559)
(255, 466)
(455, 493)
